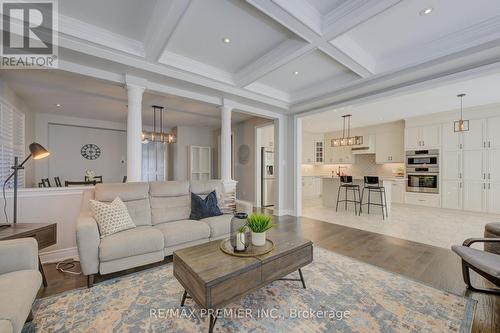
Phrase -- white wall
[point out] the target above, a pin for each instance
(67, 163)
(49, 130)
(186, 136)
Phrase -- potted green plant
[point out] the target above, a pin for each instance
(259, 224)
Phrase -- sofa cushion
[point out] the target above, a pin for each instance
(183, 231)
(132, 242)
(6, 326)
(134, 195)
(204, 187)
(19, 290)
(170, 201)
(111, 218)
(219, 225)
(203, 208)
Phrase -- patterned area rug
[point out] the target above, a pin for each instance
(342, 295)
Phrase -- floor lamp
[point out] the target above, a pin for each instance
(37, 152)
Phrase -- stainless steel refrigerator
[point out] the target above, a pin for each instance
(267, 177)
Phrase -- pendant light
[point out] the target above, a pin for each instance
(158, 135)
(347, 139)
(461, 125)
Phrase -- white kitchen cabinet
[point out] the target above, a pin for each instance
(493, 194)
(319, 152)
(389, 148)
(451, 165)
(473, 139)
(452, 194)
(452, 140)
(493, 132)
(428, 136)
(342, 155)
(312, 148)
(474, 195)
(311, 187)
(423, 199)
(473, 165)
(398, 192)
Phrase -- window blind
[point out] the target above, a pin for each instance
(11, 141)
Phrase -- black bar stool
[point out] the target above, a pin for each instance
(372, 184)
(346, 183)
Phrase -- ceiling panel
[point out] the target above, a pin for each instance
(129, 18)
(201, 31)
(326, 6)
(402, 28)
(313, 68)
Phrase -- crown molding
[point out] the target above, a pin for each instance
(303, 11)
(264, 89)
(88, 32)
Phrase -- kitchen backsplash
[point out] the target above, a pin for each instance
(364, 165)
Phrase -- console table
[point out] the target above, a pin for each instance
(44, 233)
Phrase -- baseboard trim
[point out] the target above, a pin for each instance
(59, 255)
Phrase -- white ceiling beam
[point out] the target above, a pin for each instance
(293, 16)
(166, 16)
(277, 57)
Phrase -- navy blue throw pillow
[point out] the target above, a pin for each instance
(201, 209)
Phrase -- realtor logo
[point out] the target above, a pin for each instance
(29, 34)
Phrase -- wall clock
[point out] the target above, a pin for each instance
(90, 151)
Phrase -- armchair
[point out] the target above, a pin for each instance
(484, 263)
(20, 281)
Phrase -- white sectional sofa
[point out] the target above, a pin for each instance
(161, 212)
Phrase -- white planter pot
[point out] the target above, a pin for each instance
(240, 241)
(259, 238)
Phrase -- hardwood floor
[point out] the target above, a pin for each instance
(428, 264)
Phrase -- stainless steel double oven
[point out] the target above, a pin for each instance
(422, 171)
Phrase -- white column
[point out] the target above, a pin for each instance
(225, 138)
(134, 133)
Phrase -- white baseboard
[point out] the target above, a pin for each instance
(59, 255)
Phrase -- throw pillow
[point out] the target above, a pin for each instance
(202, 208)
(111, 218)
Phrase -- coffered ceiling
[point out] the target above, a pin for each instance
(294, 55)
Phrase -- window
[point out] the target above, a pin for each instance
(11, 141)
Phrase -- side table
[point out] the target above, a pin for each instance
(44, 233)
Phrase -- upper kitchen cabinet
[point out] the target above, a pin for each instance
(313, 151)
(474, 138)
(389, 147)
(423, 137)
(493, 132)
(452, 140)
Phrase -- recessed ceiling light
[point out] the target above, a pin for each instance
(58, 105)
(426, 11)
(295, 73)
(226, 40)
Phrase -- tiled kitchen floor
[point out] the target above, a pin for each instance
(433, 226)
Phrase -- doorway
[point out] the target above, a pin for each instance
(265, 166)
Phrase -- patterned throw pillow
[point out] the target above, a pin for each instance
(111, 218)
(202, 208)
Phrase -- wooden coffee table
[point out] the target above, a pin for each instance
(213, 278)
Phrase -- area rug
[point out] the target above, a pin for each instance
(342, 295)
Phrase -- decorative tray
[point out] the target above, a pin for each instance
(252, 251)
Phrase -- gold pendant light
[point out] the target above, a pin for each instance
(158, 136)
(461, 125)
(347, 139)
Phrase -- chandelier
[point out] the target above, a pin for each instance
(158, 135)
(347, 139)
(461, 125)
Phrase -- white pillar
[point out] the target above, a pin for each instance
(225, 138)
(134, 133)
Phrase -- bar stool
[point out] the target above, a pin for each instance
(372, 184)
(346, 183)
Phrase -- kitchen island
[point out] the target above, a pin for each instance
(330, 186)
